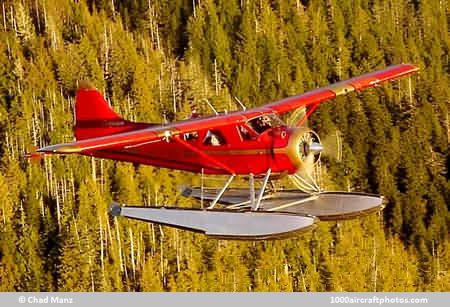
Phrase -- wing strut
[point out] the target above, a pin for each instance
(214, 202)
(308, 113)
(261, 192)
(251, 182)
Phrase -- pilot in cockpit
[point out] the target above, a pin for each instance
(262, 123)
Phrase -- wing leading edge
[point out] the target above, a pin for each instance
(160, 133)
(340, 88)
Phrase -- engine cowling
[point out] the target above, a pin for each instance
(303, 146)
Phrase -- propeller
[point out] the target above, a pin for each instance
(306, 147)
(310, 149)
(309, 171)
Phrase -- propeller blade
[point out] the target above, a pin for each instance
(308, 166)
(304, 177)
(296, 116)
(332, 146)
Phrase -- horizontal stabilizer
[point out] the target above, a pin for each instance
(222, 224)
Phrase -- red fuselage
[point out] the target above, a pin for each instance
(236, 153)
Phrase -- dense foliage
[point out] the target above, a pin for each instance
(153, 60)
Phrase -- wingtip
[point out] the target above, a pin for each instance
(412, 67)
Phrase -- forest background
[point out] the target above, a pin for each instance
(153, 60)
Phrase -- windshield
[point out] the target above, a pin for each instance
(264, 122)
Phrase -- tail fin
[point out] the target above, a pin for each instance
(93, 115)
(91, 106)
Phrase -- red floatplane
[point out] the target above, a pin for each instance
(254, 143)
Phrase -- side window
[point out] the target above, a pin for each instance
(245, 133)
(261, 124)
(214, 138)
(191, 136)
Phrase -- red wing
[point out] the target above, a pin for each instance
(158, 133)
(340, 88)
(143, 136)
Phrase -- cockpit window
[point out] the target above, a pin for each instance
(245, 133)
(214, 138)
(262, 123)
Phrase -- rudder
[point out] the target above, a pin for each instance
(90, 105)
(94, 117)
